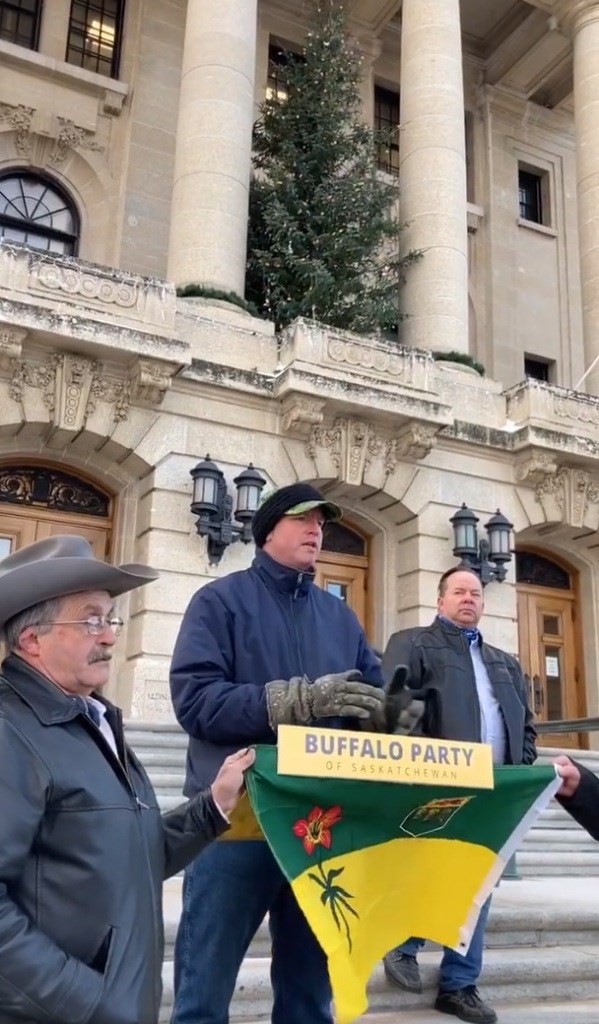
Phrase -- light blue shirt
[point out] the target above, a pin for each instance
(492, 723)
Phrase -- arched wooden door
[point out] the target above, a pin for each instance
(549, 643)
(342, 568)
(40, 501)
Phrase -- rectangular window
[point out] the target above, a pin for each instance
(539, 369)
(20, 22)
(95, 31)
(279, 57)
(386, 120)
(533, 196)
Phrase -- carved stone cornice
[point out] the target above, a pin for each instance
(353, 444)
(300, 413)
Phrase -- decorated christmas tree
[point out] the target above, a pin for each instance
(324, 231)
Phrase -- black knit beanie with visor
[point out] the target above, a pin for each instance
(293, 500)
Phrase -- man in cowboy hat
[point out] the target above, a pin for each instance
(83, 847)
(257, 649)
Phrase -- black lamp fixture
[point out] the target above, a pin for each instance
(488, 556)
(214, 506)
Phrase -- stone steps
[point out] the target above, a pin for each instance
(541, 950)
(579, 1012)
(523, 914)
(554, 846)
(509, 976)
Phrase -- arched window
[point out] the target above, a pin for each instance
(538, 571)
(38, 213)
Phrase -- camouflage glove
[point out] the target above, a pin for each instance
(341, 694)
(402, 711)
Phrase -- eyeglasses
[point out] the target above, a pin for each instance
(95, 625)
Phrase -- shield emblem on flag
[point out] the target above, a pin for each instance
(433, 816)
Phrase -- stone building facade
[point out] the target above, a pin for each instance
(125, 150)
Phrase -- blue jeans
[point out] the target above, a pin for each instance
(457, 971)
(227, 893)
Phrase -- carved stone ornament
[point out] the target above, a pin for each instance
(41, 376)
(72, 386)
(365, 357)
(575, 410)
(300, 413)
(71, 136)
(413, 443)
(327, 438)
(353, 443)
(11, 345)
(571, 497)
(115, 392)
(74, 378)
(355, 438)
(150, 380)
(535, 466)
(19, 119)
(52, 276)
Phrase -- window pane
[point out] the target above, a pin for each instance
(337, 589)
(19, 22)
(49, 488)
(540, 572)
(530, 195)
(538, 369)
(553, 675)
(341, 539)
(36, 213)
(386, 120)
(5, 546)
(94, 35)
(551, 625)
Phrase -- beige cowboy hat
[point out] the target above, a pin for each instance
(59, 566)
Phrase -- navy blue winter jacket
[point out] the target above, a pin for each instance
(240, 632)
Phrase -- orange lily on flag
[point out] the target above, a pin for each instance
(315, 830)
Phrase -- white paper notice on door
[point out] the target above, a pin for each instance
(552, 666)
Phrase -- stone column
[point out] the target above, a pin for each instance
(432, 177)
(583, 17)
(213, 154)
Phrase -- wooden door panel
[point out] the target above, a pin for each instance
(15, 532)
(346, 582)
(548, 657)
(97, 536)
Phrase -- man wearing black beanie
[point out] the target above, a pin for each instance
(257, 649)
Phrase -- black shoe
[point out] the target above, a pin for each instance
(402, 970)
(466, 1004)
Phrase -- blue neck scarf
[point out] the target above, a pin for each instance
(471, 634)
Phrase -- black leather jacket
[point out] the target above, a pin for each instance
(83, 854)
(439, 663)
(584, 805)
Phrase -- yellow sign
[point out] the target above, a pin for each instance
(339, 753)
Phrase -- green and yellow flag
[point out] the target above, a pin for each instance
(372, 863)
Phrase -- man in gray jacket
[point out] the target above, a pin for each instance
(83, 847)
(474, 692)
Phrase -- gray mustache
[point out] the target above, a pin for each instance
(101, 656)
